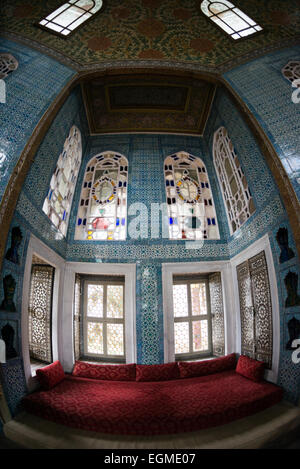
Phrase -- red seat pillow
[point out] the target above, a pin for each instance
(250, 368)
(50, 375)
(107, 372)
(162, 372)
(207, 367)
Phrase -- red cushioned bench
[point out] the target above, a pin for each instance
(154, 399)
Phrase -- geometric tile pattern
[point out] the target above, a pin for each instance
(29, 92)
(268, 95)
(13, 382)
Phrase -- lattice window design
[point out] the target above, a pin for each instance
(292, 72)
(192, 319)
(235, 190)
(40, 313)
(217, 314)
(102, 210)
(191, 210)
(8, 64)
(77, 300)
(255, 309)
(58, 202)
(104, 319)
(230, 18)
(65, 19)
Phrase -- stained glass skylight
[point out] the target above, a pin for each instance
(230, 18)
(65, 19)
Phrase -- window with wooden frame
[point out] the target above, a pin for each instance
(69, 16)
(192, 317)
(103, 325)
(230, 18)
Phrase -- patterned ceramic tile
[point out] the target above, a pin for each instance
(29, 92)
(268, 95)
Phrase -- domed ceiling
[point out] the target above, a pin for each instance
(167, 31)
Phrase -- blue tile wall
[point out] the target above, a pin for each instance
(146, 154)
(269, 216)
(29, 91)
(268, 95)
(30, 217)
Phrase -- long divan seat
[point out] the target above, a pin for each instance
(153, 399)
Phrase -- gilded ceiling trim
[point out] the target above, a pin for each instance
(152, 63)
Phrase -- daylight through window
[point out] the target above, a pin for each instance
(70, 15)
(190, 204)
(230, 18)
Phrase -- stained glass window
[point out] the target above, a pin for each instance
(65, 19)
(57, 204)
(192, 320)
(40, 312)
(191, 209)
(103, 201)
(104, 321)
(230, 18)
(236, 193)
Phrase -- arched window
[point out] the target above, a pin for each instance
(230, 18)
(65, 19)
(190, 203)
(58, 202)
(103, 200)
(236, 193)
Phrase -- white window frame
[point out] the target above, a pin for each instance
(262, 244)
(197, 268)
(38, 248)
(104, 320)
(190, 318)
(89, 268)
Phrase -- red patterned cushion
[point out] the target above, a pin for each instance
(162, 372)
(50, 375)
(131, 408)
(108, 372)
(250, 368)
(207, 367)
